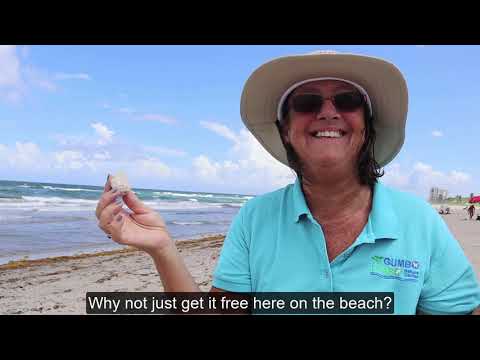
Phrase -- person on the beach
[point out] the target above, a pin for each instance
(471, 211)
(336, 120)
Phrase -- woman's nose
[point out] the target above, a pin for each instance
(328, 111)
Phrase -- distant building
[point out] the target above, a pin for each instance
(438, 195)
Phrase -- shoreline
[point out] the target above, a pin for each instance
(25, 263)
(43, 259)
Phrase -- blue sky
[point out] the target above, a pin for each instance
(169, 116)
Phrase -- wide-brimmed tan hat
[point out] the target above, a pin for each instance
(382, 81)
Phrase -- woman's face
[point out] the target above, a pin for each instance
(329, 137)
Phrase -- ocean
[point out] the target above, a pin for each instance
(39, 220)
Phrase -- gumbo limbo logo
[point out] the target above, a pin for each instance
(394, 268)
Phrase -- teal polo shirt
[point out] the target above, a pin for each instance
(275, 245)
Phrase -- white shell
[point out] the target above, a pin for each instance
(120, 182)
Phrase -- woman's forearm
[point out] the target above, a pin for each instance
(173, 271)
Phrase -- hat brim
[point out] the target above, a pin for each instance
(383, 82)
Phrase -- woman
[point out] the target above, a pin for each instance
(335, 119)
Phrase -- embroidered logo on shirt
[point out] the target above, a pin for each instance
(394, 268)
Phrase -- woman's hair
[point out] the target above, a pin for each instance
(368, 168)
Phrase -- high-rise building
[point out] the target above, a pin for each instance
(438, 195)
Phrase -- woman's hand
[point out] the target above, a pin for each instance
(143, 228)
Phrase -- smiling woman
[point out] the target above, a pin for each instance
(347, 101)
(335, 119)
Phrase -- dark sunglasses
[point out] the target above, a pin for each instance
(311, 103)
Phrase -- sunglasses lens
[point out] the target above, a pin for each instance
(348, 101)
(310, 103)
(307, 103)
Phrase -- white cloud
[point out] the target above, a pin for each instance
(103, 162)
(252, 164)
(27, 152)
(103, 132)
(9, 66)
(74, 76)
(23, 156)
(206, 170)
(220, 129)
(458, 177)
(12, 87)
(425, 168)
(102, 153)
(151, 167)
(17, 78)
(437, 133)
(89, 156)
(158, 118)
(251, 169)
(159, 150)
(421, 177)
(27, 156)
(71, 160)
(395, 176)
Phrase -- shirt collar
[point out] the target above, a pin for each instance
(382, 221)
(299, 204)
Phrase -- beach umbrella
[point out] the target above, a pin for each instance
(475, 199)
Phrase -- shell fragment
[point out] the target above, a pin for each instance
(120, 182)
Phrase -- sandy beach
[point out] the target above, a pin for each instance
(59, 285)
(467, 232)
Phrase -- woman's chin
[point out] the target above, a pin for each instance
(329, 162)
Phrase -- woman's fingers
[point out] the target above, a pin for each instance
(115, 227)
(105, 200)
(107, 216)
(135, 204)
(107, 186)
